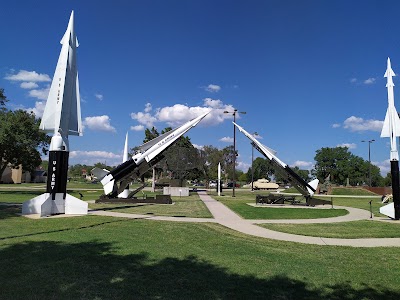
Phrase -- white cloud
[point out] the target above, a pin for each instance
(353, 80)
(97, 154)
(137, 128)
(305, 165)
(28, 85)
(99, 96)
(92, 157)
(384, 166)
(356, 124)
(29, 76)
(99, 123)
(370, 81)
(348, 145)
(213, 88)
(226, 139)
(336, 125)
(213, 103)
(198, 147)
(144, 118)
(179, 113)
(242, 166)
(41, 94)
(38, 109)
(148, 107)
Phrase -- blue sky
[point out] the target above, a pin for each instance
(309, 74)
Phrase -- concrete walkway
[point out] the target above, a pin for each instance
(226, 217)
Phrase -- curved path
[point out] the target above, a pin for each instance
(226, 217)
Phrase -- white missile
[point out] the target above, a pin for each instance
(62, 117)
(391, 129)
(219, 179)
(62, 113)
(148, 153)
(306, 189)
(391, 125)
(125, 158)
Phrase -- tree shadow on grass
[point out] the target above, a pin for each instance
(9, 211)
(93, 270)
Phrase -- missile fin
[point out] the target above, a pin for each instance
(99, 173)
(314, 185)
(389, 72)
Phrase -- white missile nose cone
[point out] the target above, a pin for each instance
(205, 114)
(201, 117)
(71, 19)
(388, 63)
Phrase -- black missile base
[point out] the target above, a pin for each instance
(394, 169)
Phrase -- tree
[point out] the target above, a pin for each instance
(242, 177)
(262, 169)
(387, 181)
(334, 162)
(341, 164)
(182, 159)
(3, 100)
(150, 134)
(227, 160)
(304, 174)
(20, 138)
(210, 157)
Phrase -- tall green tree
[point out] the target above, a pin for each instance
(334, 162)
(340, 164)
(182, 159)
(3, 100)
(262, 169)
(210, 157)
(304, 174)
(21, 141)
(150, 134)
(228, 156)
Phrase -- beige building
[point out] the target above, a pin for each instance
(11, 175)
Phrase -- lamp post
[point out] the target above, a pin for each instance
(252, 159)
(234, 112)
(369, 158)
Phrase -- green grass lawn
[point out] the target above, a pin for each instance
(20, 196)
(95, 257)
(190, 206)
(352, 191)
(249, 212)
(362, 203)
(240, 206)
(345, 230)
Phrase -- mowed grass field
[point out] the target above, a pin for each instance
(93, 257)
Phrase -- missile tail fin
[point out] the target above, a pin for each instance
(314, 185)
(99, 173)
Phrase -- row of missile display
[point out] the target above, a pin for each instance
(62, 117)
